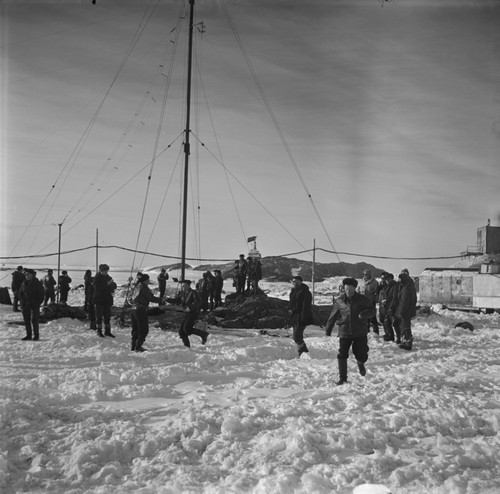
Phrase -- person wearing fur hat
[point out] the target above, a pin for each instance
(31, 295)
(351, 311)
(141, 297)
(104, 287)
(300, 312)
(190, 300)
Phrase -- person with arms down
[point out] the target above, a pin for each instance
(64, 281)
(141, 297)
(369, 288)
(190, 301)
(162, 281)
(218, 282)
(104, 287)
(31, 296)
(406, 309)
(300, 312)
(387, 301)
(17, 281)
(49, 284)
(351, 311)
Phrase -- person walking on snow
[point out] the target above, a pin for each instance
(300, 312)
(141, 297)
(189, 299)
(351, 311)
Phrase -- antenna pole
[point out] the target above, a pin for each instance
(186, 139)
(313, 268)
(58, 262)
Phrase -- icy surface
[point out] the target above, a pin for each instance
(80, 414)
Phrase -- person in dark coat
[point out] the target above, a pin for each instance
(218, 284)
(89, 292)
(64, 281)
(104, 287)
(31, 296)
(351, 311)
(162, 281)
(241, 274)
(49, 284)
(388, 297)
(254, 275)
(406, 309)
(300, 312)
(88, 281)
(189, 299)
(17, 281)
(369, 288)
(141, 297)
(206, 289)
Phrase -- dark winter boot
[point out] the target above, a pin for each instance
(99, 332)
(92, 325)
(132, 345)
(303, 349)
(342, 371)
(27, 338)
(204, 338)
(107, 331)
(362, 368)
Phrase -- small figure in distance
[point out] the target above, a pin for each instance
(17, 281)
(162, 282)
(300, 312)
(49, 284)
(64, 281)
(104, 287)
(31, 296)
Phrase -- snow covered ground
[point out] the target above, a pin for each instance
(243, 414)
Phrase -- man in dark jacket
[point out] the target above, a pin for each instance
(49, 284)
(30, 297)
(104, 287)
(388, 297)
(162, 282)
(406, 309)
(64, 281)
(218, 282)
(300, 312)
(351, 311)
(17, 281)
(141, 297)
(190, 300)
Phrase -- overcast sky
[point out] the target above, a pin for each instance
(386, 113)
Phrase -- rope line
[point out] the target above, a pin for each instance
(35, 256)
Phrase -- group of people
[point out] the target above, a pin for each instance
(49, 285)
(355, 311)
(246, 274)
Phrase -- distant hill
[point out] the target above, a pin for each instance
(283, 268)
